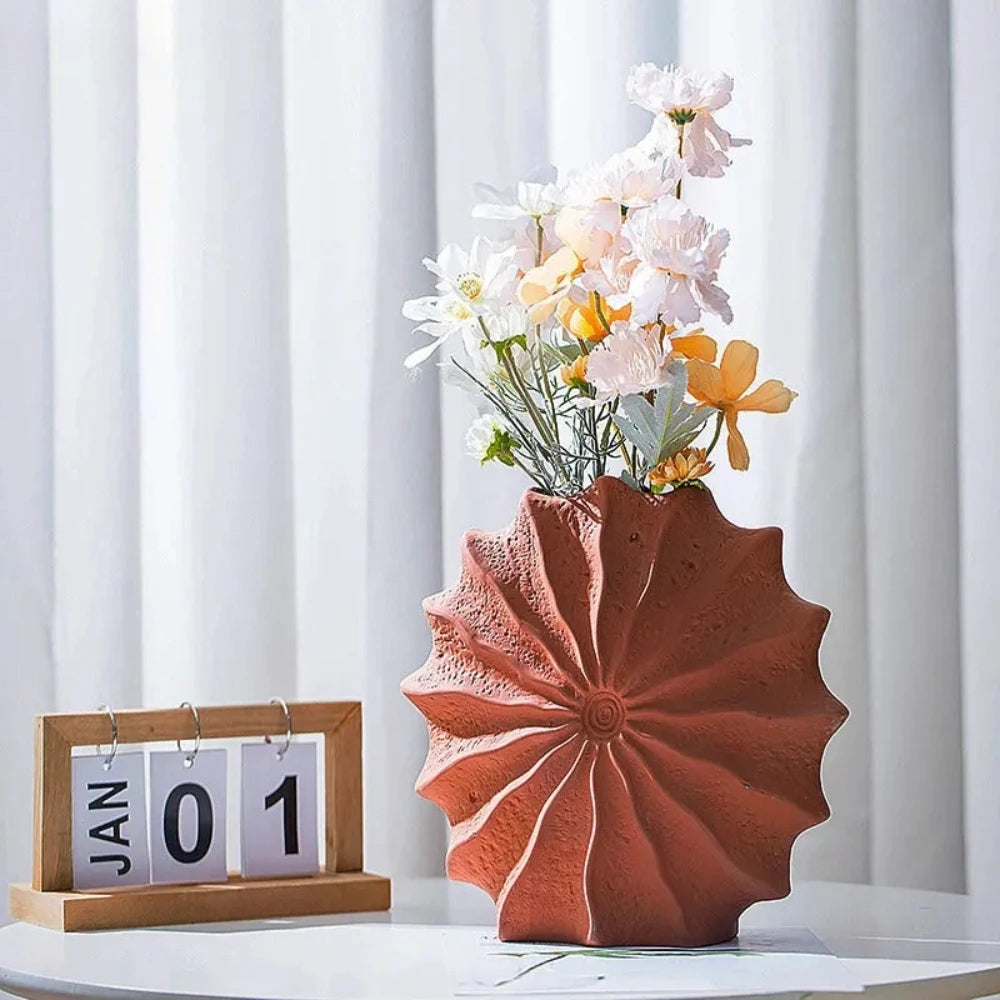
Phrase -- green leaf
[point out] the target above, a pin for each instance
(665, 426)
(504, 347)
(560, 354)
(501, 448)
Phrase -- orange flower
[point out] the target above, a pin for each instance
(696, 344)
(575, 375)
(684, 467)
(582, 320)
(541, 288)
(723, 387)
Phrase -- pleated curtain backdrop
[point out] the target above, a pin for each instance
(219, 484)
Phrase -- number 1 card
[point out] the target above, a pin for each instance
(279, 808)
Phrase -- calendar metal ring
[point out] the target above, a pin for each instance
(288, 727)
(109, 760)
(189, 758)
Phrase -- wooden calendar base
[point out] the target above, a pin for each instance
(237, 899)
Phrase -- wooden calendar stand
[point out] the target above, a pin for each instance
(343, 887)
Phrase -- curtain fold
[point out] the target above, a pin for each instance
(26, 422)
(218, 587)
(909, 395)
(95, 497)
(976, 143)
(402, 462)
(220, 484)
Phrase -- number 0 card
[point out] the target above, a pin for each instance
(279, 809)
(187, 816)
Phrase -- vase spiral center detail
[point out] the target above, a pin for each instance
(603, 715)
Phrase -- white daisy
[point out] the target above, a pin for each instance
(533, 198)
(483, 278)
(441, 316)
(480, 358)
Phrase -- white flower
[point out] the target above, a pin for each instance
(543, 287)
(483, 278)
(589, 230)
(483, 364)
(674, 88)
(687, 99)
(610, 276)
(523, 237)
(479, 436)
(441, 317)
(630, 178)
(509, 322)
(630, 360)
(679, 257)
(505, 326)
(534, 198)
(487, 440)
(481, 360)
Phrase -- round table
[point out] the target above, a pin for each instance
(897, 942)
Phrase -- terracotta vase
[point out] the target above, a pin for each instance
(626, 716)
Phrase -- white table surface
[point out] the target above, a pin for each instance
(928, 944)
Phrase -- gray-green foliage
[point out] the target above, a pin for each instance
(665, 426)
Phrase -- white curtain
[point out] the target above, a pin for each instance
(218, 483)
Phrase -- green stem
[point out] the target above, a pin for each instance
(518, 382)
(635, 463)
(680, 156)
(536, 414)
(600, 312)
(592, 426)
(526, 439)
(715, 436)
(524, 394)
(541, 369)
(546, 386)
(523, 467)
(628, 461)
(589, 419)
(531, 968)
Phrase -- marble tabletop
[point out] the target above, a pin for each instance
(940, 945)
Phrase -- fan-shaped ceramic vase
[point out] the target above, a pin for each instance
(626, 718)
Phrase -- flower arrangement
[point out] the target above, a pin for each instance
(580, 330)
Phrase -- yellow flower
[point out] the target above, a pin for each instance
(685, 466)
(582, 320)
(723, 387)
(575, 375)
(541, 288)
